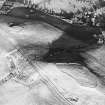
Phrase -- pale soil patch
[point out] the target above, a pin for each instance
(28, 32)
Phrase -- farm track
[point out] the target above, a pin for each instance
(59, 96)
(47, 81)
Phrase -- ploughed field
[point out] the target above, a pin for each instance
(50, 67)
